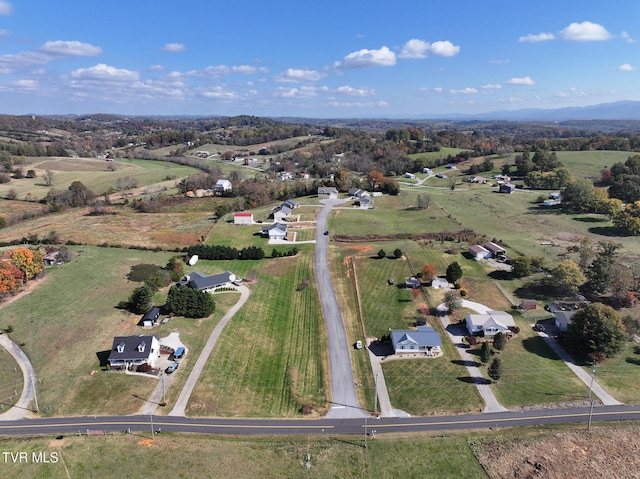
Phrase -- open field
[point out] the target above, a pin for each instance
(589, 163)
(211, 457)
(621, 375)
(126, 227)
(10, 380)
(271, 359)
(66, 321)
(443, 153)
(93, 173)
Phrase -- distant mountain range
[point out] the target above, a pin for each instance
(620, 110)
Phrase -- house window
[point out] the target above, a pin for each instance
(141, 347)
(120, 348)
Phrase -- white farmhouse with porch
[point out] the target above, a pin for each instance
(489, 324)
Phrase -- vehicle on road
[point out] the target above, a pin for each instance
(179, 353)
(172, 367)
(538, 327)
(326, 233)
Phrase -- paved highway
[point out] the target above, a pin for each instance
(109, 424)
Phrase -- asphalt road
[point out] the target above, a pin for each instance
(143, 424)
(344, 401)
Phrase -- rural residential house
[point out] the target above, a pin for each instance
(275, 231)
(243, 218)
(478, 252)
(222, 186)
(291, 204)
(366, 202)
(357, 192)
(423, 340)
(201, 282)
(327, 192)
(132, 351)
(439, 283)
(281, 212)
(489, 324)
(150, 318)
(563, 319)
(413, 283)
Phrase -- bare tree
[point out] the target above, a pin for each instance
(48, 178)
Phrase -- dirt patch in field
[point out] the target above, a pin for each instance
(603, 452)
(147, 443)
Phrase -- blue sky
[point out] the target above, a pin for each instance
(325, 59)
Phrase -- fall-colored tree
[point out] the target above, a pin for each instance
(29, 261)
(10, 277)
(429, 271)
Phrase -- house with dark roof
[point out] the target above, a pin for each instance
(201, 282)
(222, 186)
(507, 188)
(133, 351)
(150, 318)
(366, 202)
(275, 231)
(291, 204)
(424, 339)
(413, 283)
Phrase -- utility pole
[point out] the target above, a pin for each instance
(151, 419)
(375, 399)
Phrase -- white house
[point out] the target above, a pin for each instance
(489, 324)
(222, 186)
(424, 340)
(276, 231)
(281, 212)
(409, 175)
(563, 319)
(132, 351)
(479, 252)
(439, 283)
(243, 218)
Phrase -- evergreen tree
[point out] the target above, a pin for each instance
(499, 341)
(495, 369)
(382, 254)
(454, 272)
(485, 352)
(140, 299)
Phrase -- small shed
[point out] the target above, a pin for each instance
(478, 252)
(243, 218)
(507, 188)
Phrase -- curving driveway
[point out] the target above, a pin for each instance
(344, 401)
(21, 408)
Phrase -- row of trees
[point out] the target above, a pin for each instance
(219, 252)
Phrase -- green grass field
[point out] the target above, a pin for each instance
(93, 173)
(212, 457)
(271, 359)
(10, 380)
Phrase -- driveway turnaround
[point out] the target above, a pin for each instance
(181, 403)
(344, 401)
(21, 409)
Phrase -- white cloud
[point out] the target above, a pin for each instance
(500, 61)
(156, 68)
(220, 93)
(104, 73)
(625, 67)
(70, 49)
(377, 104)
(174, 47)
(585, 32)
(5, 8)
(368, 58)
(444, 49)
(438, 89)
(491, 86)
(350, 91)
(464, 91)
(300, 75)
(302, 92)
(624, 35)
(521, 81)
(415, 48)
(227, 70)
(534, 38)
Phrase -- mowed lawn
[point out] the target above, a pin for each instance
(68, 319)
(271, 359)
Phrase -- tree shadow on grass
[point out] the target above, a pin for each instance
(539, 290)
(635, 361)
(474, 380)
(537, 346)
(606, 231)
(465, 363)
(501, 275)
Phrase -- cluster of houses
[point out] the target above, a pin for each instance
(362, 197)
(488, 250)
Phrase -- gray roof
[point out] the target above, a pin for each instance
(126, 348)
(200, 281)
(424, 336)
(327, 190)
(291, 204)
(275, 226)
(285, 210)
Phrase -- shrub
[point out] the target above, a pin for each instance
(499, 341)
(457, 285)
(472, 340)
(463, 292)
